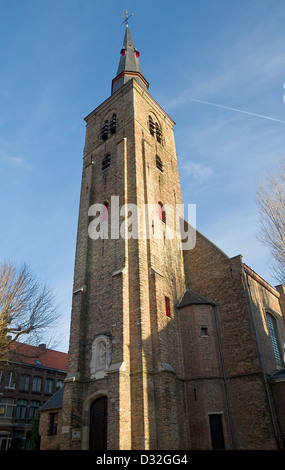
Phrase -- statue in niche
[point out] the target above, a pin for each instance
(101, 356)
(102, 353)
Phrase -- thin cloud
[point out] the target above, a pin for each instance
(15, 161)
(246, 69)
(198, 171)
(238, 110)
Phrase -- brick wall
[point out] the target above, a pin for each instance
(212, 274)
(126, 281)
(48, 441)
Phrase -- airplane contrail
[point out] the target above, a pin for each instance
(238, 110)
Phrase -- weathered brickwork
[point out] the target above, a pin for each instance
(242, 299)
(120, 285)
(49, 441)
(184, 336)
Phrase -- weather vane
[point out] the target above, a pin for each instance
(127, 18)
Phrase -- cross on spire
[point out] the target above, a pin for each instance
(127, 18)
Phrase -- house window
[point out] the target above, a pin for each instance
(106, 162)
(53, 420)
(167, 307)
(161, 212)
(104, 130)
(113, 124)
(4, 438)
(204, 331)
(59, 384)
(271, 322)
(21, 409)
(6, 407)
(48, 385)
(34, 409)
(24, 382)
(37, 384)
(10, 380)
(159, 164)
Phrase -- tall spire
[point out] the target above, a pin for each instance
(129, 66)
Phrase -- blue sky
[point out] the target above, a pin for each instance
(217, 67)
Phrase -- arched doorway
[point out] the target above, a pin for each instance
(98, 425)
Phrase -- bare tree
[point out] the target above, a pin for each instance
(270, 196)
(27, 309)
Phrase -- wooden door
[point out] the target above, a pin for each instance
(217, 434)
(98, 425)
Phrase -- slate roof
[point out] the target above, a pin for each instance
(192, 298)
(278, 376)
(128, 62)
(129, 66)
(54, 402)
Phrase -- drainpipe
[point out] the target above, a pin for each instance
(260, 360)
(224, 377)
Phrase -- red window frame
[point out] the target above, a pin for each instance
(167, 307)
(161, 212)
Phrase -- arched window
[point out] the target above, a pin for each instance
(167, 307)
(271, 322)
(161, 212)
(155, 129)
(105, 211)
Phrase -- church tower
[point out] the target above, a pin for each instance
(123, 389)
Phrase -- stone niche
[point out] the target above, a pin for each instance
(101, 357)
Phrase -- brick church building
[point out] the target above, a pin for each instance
(173, 345)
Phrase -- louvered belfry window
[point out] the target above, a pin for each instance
(159, 164)
(106, 162)
(151, 125)
(158, 133)
(113, 124)
(104, 131)
(155, 129)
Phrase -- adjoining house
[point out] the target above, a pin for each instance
(50, 422)
(32, 377)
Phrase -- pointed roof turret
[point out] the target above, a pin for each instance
(129, 66)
